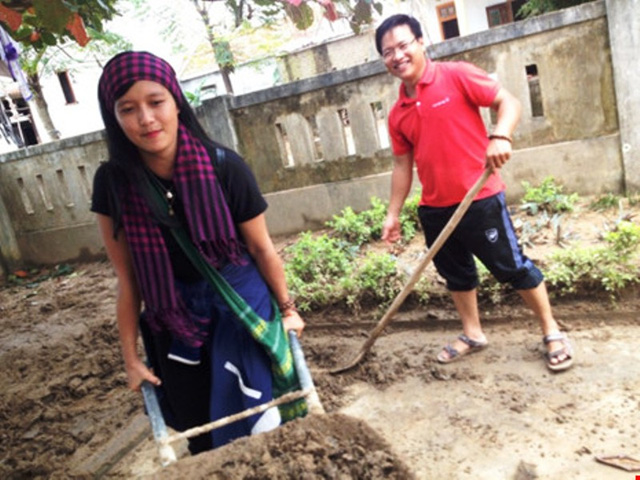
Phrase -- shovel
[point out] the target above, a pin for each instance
(415, 276)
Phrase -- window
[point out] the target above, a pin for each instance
(502, 13)
(346, 130)
(317, 143)
(285, 145)
(67, 89)
(448, 20)
(20, 126)
(381, 124)
(535, 94)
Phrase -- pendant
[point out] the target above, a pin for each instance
(169, 196)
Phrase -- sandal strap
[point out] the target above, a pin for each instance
(453, 353)
(556, 353)
(471, 342)
(554, 337)
(566, 349)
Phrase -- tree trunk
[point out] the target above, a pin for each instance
(204, 14)
(227, 80)
(42, 110)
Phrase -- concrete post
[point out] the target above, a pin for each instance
(9, 251)
(623, 18)
(216, 120)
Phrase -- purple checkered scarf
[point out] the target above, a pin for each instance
(209, 221)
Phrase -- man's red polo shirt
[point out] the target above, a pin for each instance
(443, 128)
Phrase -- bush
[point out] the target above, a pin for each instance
(366, 226)
(316, 268)
(323, 270)
(329, 269)
(359, 228)
(607, 201)
(548, 197)
(375, 279)
(611, 267)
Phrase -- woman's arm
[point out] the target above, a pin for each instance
(269, 263)
(128, 304)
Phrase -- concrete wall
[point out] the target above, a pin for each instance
(336, 54)
(293, 136)
(45, 194)
(624, 31)
(312, 159)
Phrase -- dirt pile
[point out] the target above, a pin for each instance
(62, 375)
(317, 446)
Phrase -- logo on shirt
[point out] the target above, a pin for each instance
(442, 102)
(492, 235)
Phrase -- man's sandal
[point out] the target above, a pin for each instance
(566, 350)
(453, 354)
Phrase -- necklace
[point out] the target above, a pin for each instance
(168, 193)
(170, 197)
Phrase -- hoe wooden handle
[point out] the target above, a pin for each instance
(417, 273)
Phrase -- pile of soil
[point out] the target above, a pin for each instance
(317, 446)
(63, 383)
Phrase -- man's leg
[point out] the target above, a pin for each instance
(537, 300)
(466, 303)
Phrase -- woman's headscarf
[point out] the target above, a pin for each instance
(209, 221)
(128, 67)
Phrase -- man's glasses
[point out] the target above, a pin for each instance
(401, 47)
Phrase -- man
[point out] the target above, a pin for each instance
(436, 124)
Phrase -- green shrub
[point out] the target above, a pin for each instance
(366, 226)
(375, 279)
(409, 220)
(611, 267)
(607, 201)
(350, 226)
(315, 269)
(359, 228)
(548, 197)
(624, 240)
(324, 270)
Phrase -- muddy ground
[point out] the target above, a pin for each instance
(65, 411)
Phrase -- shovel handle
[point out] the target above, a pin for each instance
(306, 382)
(417, 273)
(160, 434)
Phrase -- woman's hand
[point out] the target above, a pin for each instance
(291, 320)
(137, 372)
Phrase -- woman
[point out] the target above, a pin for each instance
(166, 180)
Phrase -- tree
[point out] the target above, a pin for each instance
(37, 23)
(537, 7)
(44, 25)
(67, 56)
(259, 13)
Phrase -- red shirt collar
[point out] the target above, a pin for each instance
(428, 76)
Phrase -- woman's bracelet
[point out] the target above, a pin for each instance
(288, 305)
(500, 137)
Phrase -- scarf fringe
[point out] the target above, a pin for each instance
(183, 325)
(220, 252)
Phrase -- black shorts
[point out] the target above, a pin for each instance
(485, 231)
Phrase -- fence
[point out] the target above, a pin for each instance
(320, 144)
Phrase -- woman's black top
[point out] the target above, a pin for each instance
(240, 189)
